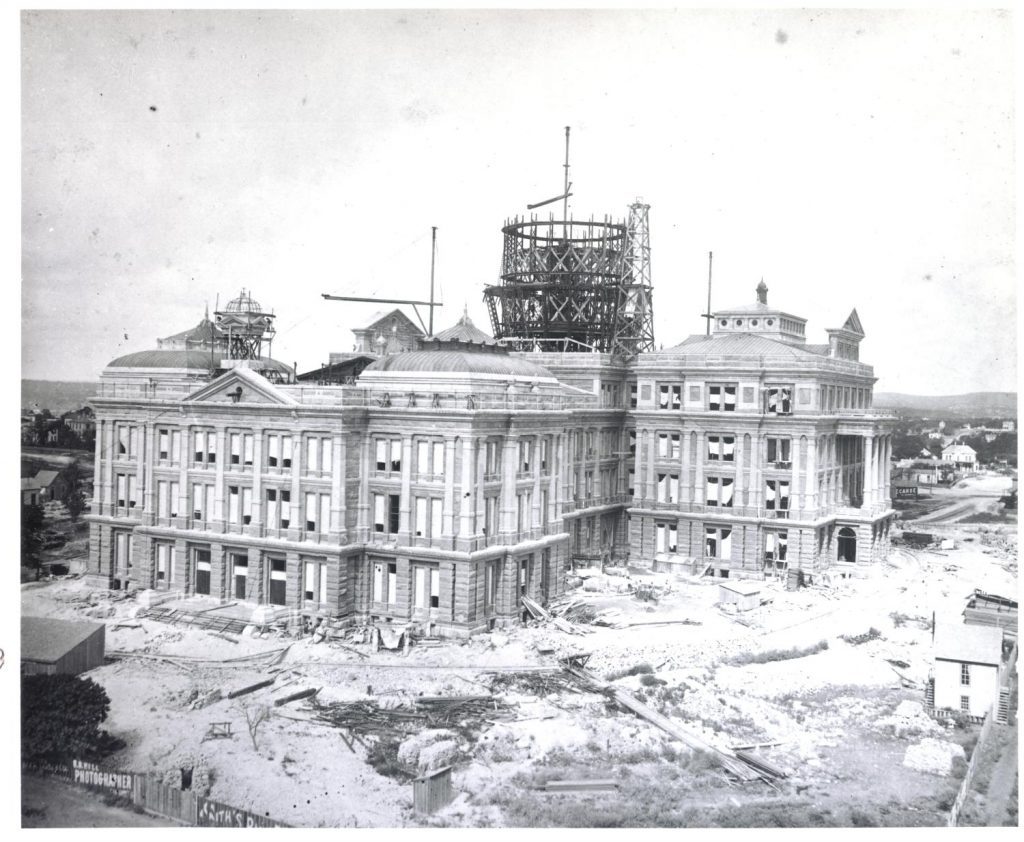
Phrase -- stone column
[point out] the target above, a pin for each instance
(219, 514)
(147, 458)
(184, 492)
(509, 469)
(256, 524)
(698, 479)
(869, 472)
(812, 476)
(651, 437)
(448, 503)
(405, 501)
(467, 498)
(297, 519)
(363, 515)
(739, 486)
(100, 493)
(339, 474)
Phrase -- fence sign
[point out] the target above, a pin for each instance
(213, 814)
(91, 775)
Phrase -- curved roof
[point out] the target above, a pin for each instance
(245, 303)
(738, 345)
(183, 359)
(465, 331)
(459, 362)
(202, 332)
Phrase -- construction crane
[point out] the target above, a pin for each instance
(428, 330)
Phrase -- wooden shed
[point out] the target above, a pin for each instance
(432, 791)
(745, 595)
(51, 646)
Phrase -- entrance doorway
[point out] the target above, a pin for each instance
(203, 572)
(240, 570)
(846, 544)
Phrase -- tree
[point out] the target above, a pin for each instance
(75, 502)
(73, 499)
(61, 716)
(32, 537)
(255, 716)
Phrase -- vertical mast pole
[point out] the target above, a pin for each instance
(433, 255)
(565, 191)
(708, 314)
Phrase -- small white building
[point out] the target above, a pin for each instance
(744, 594)
(961, 455)
(967, 662)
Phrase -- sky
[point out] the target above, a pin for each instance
(851, 159)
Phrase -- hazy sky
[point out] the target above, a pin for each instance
(853, 159)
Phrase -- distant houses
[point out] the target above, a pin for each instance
(962, 456)
(75, 429)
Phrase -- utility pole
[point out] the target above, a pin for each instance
(433, 256)
(565, 191)
(707, 316)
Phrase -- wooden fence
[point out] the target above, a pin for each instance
(972, 766)
(148, 793)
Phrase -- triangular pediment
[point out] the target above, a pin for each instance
(380, 321)
(241, 386)
(853, 324)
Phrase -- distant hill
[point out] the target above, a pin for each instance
(58, 396)
(973, 404)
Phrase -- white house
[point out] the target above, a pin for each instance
(961, 455)
(967, 667)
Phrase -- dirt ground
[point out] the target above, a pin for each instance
(47, 802)
(831, 677)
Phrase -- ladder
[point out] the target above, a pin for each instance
(929, 694)
(1003, 710)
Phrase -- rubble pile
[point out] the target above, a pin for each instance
(908, 720)
(933, 756)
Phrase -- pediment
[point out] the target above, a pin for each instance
(853, 324)
(241, 386)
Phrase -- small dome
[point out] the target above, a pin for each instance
(460, 362)
(245, 303)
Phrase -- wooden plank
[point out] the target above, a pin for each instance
(294, 697)
(251, 688)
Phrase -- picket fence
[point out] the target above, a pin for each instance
(972, 766)
(153, 796)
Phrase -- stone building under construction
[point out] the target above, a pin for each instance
(450, 479)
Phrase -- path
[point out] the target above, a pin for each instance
(1004, 775)
(50, 802)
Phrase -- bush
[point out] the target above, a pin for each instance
(650, 680)
(776, 655)
(383, 757)
(60, 718)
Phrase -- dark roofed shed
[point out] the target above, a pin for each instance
(52, 647)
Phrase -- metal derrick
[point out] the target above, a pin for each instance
(573, 285)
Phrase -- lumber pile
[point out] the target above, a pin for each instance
(538, 612)
(368, 718)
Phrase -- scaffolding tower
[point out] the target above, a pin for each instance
(246, 327)
(572, 285)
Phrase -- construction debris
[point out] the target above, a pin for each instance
(370, 718)
(251, 688)
(294, 697)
